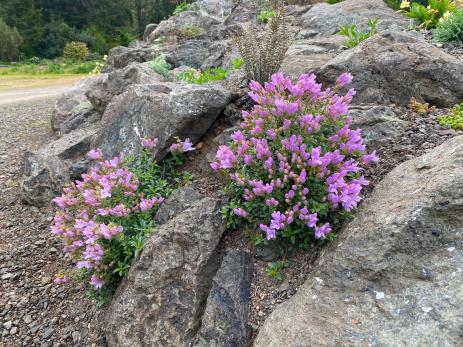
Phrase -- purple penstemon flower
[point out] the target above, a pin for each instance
(296, 144)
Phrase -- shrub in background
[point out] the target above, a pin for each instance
(10, 40)
(454, 119)
(264, 54)
(295, 167)
(75, 51)
(354, 35)
(105, 218)
(450, 29)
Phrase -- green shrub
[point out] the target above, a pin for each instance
(264, 53)
(182, 7)
(354, 35)
(34, 60)
(454, 119)
(160, 66)
(75, 50)
(450, 29)
(265, 15)
(334, 1)
(10, 41)
(189, 32)
(84, 68)
(54, 68)
(428, 16)
(208, 75)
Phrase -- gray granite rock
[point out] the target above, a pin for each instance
(225, 319)
(161, 301)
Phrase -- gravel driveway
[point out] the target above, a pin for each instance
(33, 310)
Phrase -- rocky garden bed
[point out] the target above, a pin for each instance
(388, 277)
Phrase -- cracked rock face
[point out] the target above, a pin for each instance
(393, 278)
(225, 319)
(161, 301)
(393, 66)
(46, 171)
(161, 111)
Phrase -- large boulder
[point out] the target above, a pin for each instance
(46, 171)
(324, 19)
(393, 277)
(120, 57)
(225, 319)
(393, 66)
(162, 300)
(116, 82)
(162, 111)
(73, 108)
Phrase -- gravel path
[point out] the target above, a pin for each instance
(33, 310)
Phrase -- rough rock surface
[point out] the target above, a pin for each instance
(179, 201)
(393, 66)
(161, 301)
(157, 111)
(116, 83)
(44, 172)
(73, 107)
(324, 19)
(393, 278)
(225, 319)
(380, 125)
(120, 57)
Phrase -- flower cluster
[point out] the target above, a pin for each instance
(104, 218)
(295, 162)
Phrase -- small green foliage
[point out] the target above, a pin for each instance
(237, 63)
(189, 32)
(274, 269)
(356, 36)
(450, 29)
(332, 2)
(420, 107)
(75, 51)
(265, 15)
(182, 7)
(160, 66)
(454, 119)
(208, 75)
(428, 16)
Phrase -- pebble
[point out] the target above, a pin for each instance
(8, 325)
(14, 331)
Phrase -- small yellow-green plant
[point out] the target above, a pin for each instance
(201, 77)
(420, 107)
(356, 36)
(265, 15)
(75, 51)
(189, 32)
(454, 119)
(160, 65)
(182, 7)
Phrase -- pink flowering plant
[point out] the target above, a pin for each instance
(295, 166)
(105, 218)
